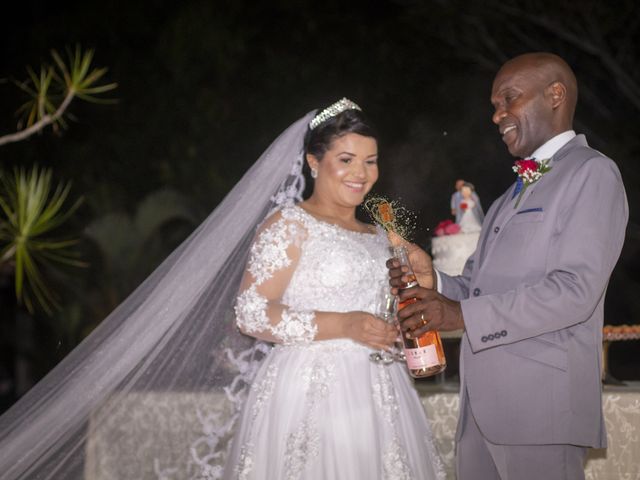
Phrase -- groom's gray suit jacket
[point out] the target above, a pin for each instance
(532, 297)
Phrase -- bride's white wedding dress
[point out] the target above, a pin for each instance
(322, 409)
(470, 221)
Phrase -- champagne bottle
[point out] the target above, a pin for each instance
(424, 354)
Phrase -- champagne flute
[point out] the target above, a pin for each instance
(385, 309)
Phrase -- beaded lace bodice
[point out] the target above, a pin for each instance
(299, 265)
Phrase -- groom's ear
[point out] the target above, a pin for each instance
(557, 94)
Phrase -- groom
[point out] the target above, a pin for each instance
(531, 297)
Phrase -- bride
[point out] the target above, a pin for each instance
(319, 408)
(472, 215)
(162, 385)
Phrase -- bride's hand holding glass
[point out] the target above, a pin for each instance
(369, 330)
(386, 310)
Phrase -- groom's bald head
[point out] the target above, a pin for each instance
(535, 98)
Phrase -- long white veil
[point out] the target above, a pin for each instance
(153, 391)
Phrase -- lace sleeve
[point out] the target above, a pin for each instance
(272, 261)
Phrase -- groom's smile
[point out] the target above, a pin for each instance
(507, 129)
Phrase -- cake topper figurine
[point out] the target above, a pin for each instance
(465, 206)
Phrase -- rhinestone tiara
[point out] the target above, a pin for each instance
(333, 110)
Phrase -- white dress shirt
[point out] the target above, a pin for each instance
(550, 147)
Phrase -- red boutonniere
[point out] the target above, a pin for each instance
(529, 172)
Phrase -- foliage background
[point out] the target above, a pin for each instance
(204, 86)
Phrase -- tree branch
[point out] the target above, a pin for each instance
(628, 86)
(40, 124)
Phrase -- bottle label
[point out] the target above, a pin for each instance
(423, 357)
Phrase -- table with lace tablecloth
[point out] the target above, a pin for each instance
(622, 417)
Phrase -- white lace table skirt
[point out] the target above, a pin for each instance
(620, 461)
(160, 436)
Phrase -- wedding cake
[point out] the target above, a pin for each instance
(454, 243)
(450, 252)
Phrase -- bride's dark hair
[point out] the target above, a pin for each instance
(318, 140)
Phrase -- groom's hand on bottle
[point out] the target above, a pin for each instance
(431, 311)
(420, 261)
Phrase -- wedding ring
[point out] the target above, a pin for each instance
(424, 321)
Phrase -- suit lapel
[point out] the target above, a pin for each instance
(505, 210)
(503, 214)
(488, 225)
(509, 209)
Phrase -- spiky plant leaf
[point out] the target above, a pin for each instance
(53, 88)
(32, 210)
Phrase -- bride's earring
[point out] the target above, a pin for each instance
(314, 173)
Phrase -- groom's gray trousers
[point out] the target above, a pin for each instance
(479, 459)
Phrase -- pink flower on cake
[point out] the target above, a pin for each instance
(446, 227)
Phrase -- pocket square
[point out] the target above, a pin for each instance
(529, 210)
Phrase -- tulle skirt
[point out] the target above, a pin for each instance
(325, 411)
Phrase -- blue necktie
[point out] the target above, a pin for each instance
(519, 183)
